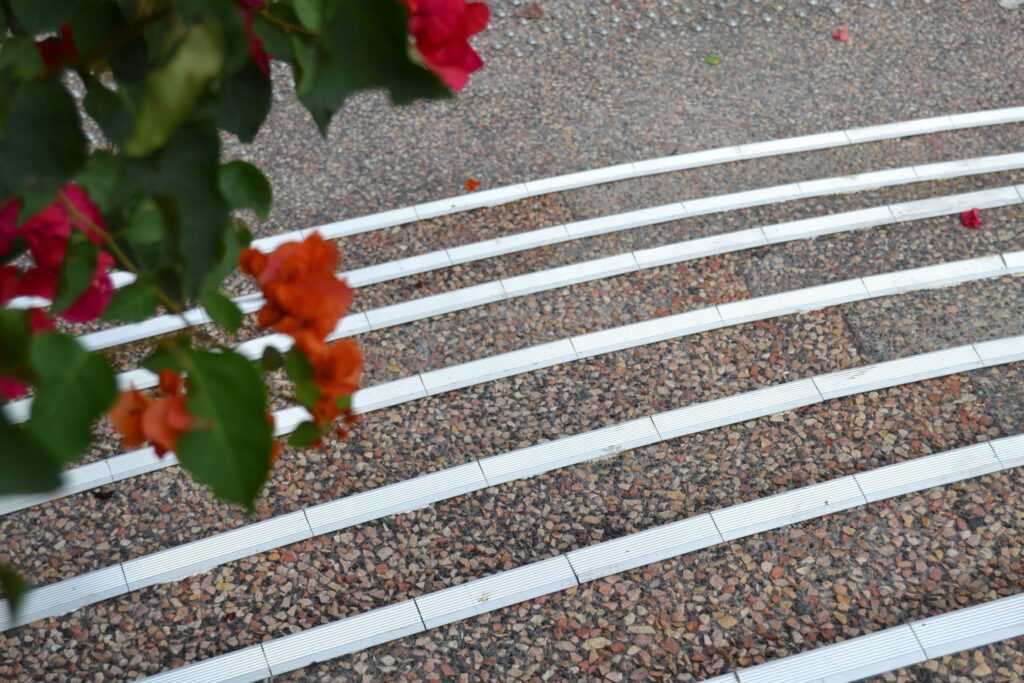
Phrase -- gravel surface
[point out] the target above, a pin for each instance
(738, 604)
(162, 509)
(552, 98)
(1002, 661)
(381, 562)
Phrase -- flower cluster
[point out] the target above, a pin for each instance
(442, 29)
(257, 53)
(306, 299)
(159, 421)
(46, 236)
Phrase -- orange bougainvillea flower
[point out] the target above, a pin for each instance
(141, 419)
(126, 416)
(472, 185)
(338, 369)
(299, 283)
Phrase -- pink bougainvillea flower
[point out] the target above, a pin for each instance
(971, 219)
(58, 49)
(841, 34)
(94, 300)
(442, 29)
(11, 388)
(256, 51)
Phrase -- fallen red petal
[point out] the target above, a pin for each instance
(971, 219)
(842, 34)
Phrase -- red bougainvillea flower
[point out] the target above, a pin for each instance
(337, 370)
(471, 185)
(256, 51)
(841, 34)
(441, 30)
(971, 219)
(46, 234)
(304, 296)
(161, 421)
(58, 49)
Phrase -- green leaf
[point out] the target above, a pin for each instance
(21, 56)
(145, 223)
(93, 23)
(39, 16)
(25, 465)
(15, 338)
(75, 388)
(173, 89)
(77, 271)
(109, 110)
(14, 588)
(344, 402)
(712, 59)
(310, 13)
(133, 302)
(229, 448)
(305, 64)
(244, 102)
(366, 46)
(100, 177)
(222, 309)
(167, 355)
(305, 435)
(43, 146)
(272, 359)
(245, 187)
(300, 372)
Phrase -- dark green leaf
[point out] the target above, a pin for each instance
(21, 57)
(40, 16)
(305, 64)
(14, 588)
(15, 338)
(43, 146)
(300, 372)
(272, 359)
(173, 88)
(310, 13)
(367, 47)
(75, 388)
(145, 223)
(305, 435)
(93, 23)
(222, 309)
(109, 110)
(275, 41)
(245, 187)
(167, 356)
(229, 448)
(344, 402)
(133, 303)
(77, 271)
(99, 178)
(25, 465)
(244, 102)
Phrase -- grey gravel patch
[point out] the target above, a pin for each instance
(919, 322)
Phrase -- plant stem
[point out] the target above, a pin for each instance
(285, 26)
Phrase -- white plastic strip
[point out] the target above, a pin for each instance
(787, 508)
(850, 660)
(342, 637)
(903, 371)
(810, 228)
(1001, 351)
(846, 661)
(494, 592)
(626, 221)
(890, 131)
(929, 471)
(66, 596)
(241, 666)
(1014, 261)
(197, 556)
(487, 369)
(971, 627)
(405, 496)
(564, 276)
(941, 275)
(1010, 451)
(74, 480)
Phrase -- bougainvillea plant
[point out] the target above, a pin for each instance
(162, 81)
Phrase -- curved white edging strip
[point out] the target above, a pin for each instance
(190, 558)
(445, 258)
(849, 660)
(433, 382)
(564, 276)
